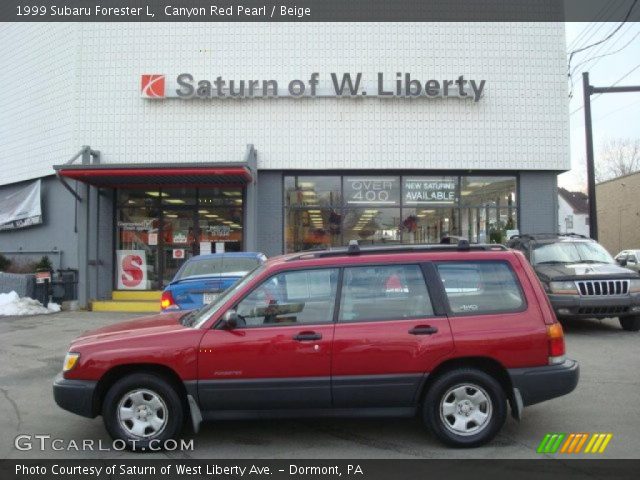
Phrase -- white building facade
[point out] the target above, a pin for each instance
(173, 177)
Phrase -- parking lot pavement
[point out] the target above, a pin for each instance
(606, 400)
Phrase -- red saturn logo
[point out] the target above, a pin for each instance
(152, 86)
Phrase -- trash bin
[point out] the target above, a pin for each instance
(65, 287)
(43, 288)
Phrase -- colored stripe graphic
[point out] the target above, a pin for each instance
(551, 442)
(573, 443)
(598, 443)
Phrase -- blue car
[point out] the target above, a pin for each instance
(203, 277)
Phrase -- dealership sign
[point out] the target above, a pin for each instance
(424, 190)
(21, 208)
(132, 269)
(187, 86)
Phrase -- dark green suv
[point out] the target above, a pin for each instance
(581, 278)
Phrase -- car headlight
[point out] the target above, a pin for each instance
(634, 286)
(563, 288)
(70, 361)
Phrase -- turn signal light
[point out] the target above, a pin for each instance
(555, 337)
(70, 361)
(166, 300)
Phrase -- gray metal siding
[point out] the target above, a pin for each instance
(270, 219)
(538, 202)
(56, 233)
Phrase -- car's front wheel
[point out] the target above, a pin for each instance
(465, 407)
(143, 410)
(630, 324)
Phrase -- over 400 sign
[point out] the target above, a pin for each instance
(372, 191)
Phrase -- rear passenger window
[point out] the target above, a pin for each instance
(392, 292)
(481, 287)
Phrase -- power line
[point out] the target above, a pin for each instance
(608, 53)
(582, 36)
(599, 42)
(605, 38)
(616, 111)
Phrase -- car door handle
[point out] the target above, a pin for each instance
(423, 330)
(307, 336)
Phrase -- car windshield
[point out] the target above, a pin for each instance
(220, 265)
(198, 317)
(570, 252)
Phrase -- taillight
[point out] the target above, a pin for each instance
(555, 337)
(167, 301)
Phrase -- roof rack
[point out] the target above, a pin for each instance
(355, 249)
(541, 236)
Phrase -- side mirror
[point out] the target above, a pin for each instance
(230, 319)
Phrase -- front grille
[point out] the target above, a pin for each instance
(602, 310)
(603, 287)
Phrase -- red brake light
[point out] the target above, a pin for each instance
(555, 336)
(166, 300)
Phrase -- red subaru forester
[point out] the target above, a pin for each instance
(448, 333)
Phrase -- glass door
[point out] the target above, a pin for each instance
(179, 240)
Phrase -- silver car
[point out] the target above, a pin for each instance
(629, 259)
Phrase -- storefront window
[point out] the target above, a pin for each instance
(139, 198)
(372, 225)
(138, 261)
(178, 196)
(492, 211)
(307, 229)
(429, 225)
(312, 191)
(159, 229)
(220, 226)
(327, 211)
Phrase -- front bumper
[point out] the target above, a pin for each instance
(537, 384)
(595, 306)
(75, 396)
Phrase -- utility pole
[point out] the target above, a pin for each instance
(587, 91)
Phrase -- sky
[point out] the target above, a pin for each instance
(615, 115)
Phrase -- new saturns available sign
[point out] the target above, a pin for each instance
(399, 85)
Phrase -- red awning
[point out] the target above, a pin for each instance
(139, 176)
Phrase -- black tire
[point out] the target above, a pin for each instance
(441, 390)
(143, 386)
(630, 324)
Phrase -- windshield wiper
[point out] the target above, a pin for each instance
(551, 262)
(591, 261)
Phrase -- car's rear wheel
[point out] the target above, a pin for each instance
(143, 410)
(465, 407)
(630, 324)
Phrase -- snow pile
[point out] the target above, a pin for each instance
(12, 304)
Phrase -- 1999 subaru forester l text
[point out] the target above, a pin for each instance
(451, 333)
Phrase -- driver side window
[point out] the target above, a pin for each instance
(291, 298)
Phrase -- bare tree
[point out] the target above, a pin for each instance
(618, 157)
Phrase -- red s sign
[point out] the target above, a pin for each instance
(132, 274)
(132, 270)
